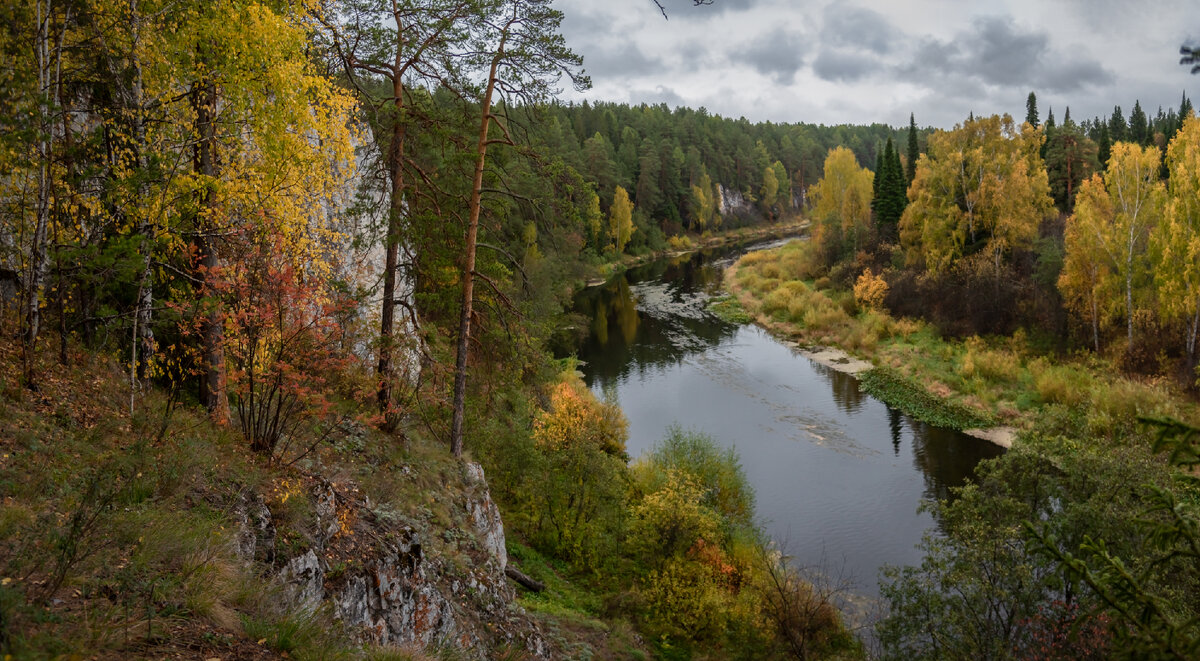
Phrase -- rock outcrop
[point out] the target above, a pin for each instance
(378, 578)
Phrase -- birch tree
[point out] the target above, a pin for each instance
(1177, 239)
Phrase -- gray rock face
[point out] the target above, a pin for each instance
(394, 593)
(303, 578)
(256, 531)
(732, 202)
(485, 515)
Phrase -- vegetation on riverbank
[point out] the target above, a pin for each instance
(1006, 380)
(1080, 542)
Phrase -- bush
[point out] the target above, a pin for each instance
(870, 290)
(990, 364)
(1060, 384)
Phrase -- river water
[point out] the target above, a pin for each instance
(837, 474)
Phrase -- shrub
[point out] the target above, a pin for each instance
(1060, 384)
(870, 290)
(990, 364)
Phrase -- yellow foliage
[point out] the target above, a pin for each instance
(989, 364)
(983, 180)
(576, 418)
(842, 198)
(870, 290)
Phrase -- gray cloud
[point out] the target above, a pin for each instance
(855, 27)
(842, 66)
(657, 94)
(996, 52)
(1000, 54)
(608, 61)
(778, 54)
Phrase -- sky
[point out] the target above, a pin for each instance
(865, 61)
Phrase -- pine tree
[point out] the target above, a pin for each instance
(914, 151)
(1031, 113)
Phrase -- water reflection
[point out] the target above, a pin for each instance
(944, 458)
(830, 465)
(652, 316)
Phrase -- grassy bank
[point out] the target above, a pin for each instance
(955, 382)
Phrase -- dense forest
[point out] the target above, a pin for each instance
(283, 271)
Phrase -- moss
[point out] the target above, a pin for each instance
(912, 398)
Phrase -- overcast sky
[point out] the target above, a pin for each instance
(863, 61)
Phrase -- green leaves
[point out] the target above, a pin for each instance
(903, 393)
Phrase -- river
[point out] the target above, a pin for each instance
(837, 474)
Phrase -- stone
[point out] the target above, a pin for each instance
(485, 515)
(256, 531)
(303, 579)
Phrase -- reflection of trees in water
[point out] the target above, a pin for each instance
(895, 426)
(623, 339)
(946, 458)
(846, 393)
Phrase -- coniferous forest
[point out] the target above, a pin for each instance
(289, 333)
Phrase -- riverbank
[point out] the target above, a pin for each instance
(1001, 380)
(687, 244)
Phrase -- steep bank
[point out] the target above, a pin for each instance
(159, 535)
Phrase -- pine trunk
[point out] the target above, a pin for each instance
(385, 371)
(464, 321)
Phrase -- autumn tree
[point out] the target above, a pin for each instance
(769, 192)
(842, 198)
(49, 33)
(703, 201)
(524, 56)
(1115, 223)
(980, 189)
(1177, 239)
(1086, 278)
(620, 219)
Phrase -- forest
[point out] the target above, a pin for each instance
(280, 281)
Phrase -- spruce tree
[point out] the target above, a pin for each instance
(1031, 113)
(898, 191)
(1137, 124)
(1117, 130)
(913, 150)
(892, 194)
(1185, 108)
(1104, 146)
(879, 163)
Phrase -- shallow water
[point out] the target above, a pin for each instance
(837, 474)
